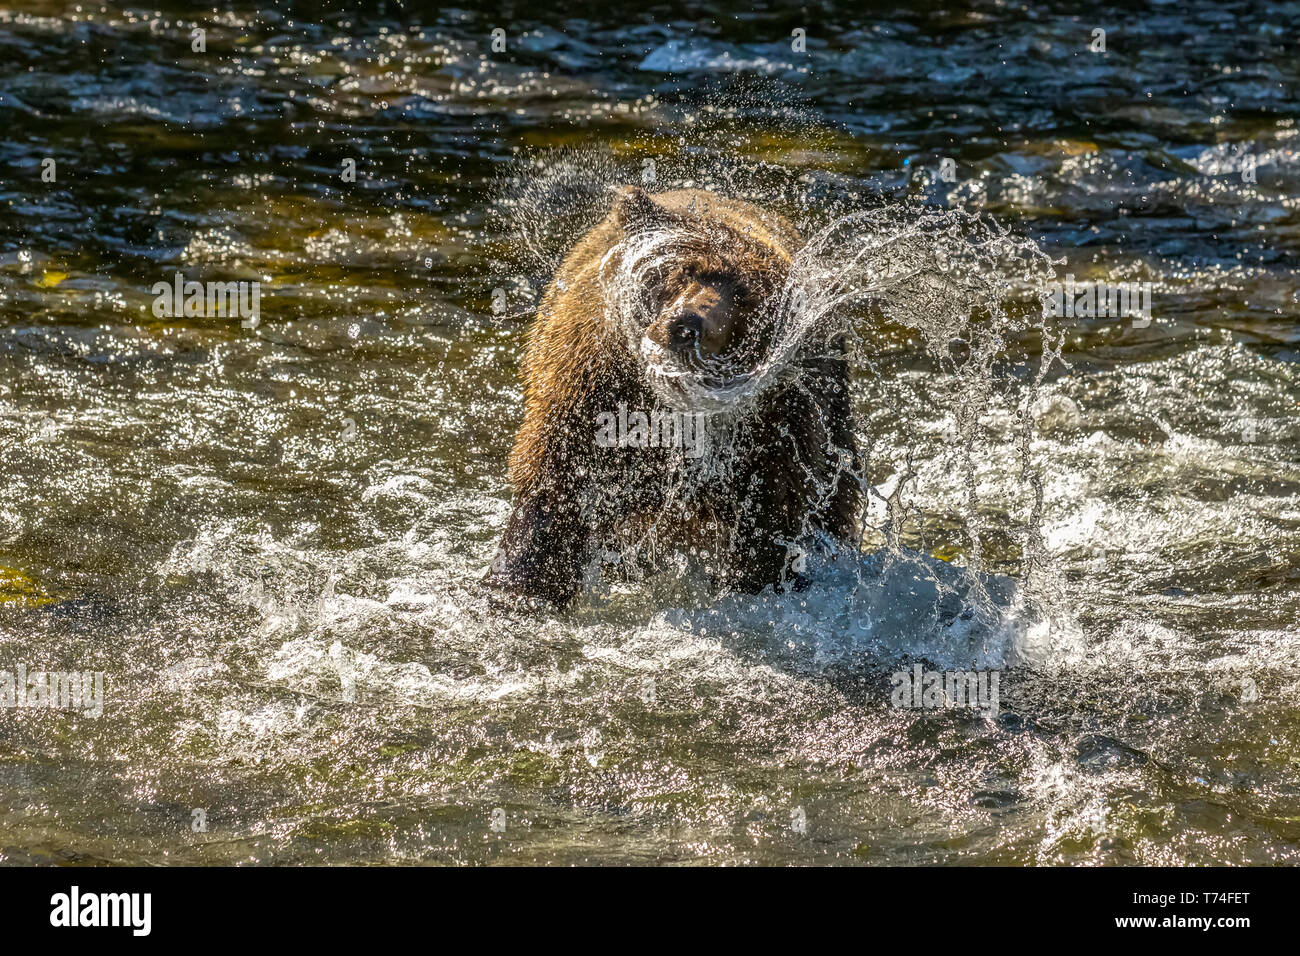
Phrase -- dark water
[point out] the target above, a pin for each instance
(269, 539)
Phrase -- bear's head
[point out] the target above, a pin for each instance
(703, 291)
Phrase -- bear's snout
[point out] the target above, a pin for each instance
(700, 322)
(683, 331)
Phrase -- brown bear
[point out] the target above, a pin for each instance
(631, 438)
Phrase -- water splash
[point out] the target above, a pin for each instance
(968, 287)
(960, 281)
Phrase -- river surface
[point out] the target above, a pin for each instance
(269, 540)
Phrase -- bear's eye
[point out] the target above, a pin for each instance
(747, 296)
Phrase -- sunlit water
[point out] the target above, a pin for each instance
(270, 540)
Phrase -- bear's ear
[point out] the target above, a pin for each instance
(634, 209)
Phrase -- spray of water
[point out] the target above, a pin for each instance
(960, 283)
(967, 287)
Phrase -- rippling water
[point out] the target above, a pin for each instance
(270, 539)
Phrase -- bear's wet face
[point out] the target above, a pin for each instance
(705, 320)
(708, 292)
(709, 322)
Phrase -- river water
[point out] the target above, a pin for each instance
(269, 540)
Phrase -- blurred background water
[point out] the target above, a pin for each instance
(269, 539)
